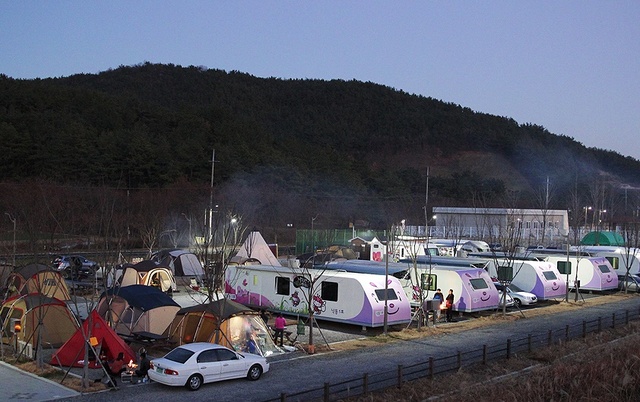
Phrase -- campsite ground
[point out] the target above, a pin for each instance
(539, 367)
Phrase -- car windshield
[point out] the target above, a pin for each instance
(179, 355)
(515, 288)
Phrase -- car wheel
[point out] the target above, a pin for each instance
(66, 273)
(194, 382)
(254, 372)
(517, 303)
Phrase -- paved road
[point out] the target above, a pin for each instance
(18, 385)
(298, 372)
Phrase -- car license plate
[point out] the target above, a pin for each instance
(158, 369)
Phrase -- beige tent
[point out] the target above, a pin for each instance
(240, 328)
(137, 309)
(37, 278)
(149, 274)
(42, 318)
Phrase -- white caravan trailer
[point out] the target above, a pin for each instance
(473, 288)
(346, 297)
(541, 278)
(590, 273)
(619, 257)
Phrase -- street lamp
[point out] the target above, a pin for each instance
(600, 212)
(586, 209)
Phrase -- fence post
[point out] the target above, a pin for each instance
(365, 384)
(431, 368)
(283, 397)
(509, 348)
(399, 375)
(549, 338)
(584, 329)
(484, 354)
(529, 345)
(566, 333)
(459, 360)
(613, 320)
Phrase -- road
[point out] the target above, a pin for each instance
(297, 372)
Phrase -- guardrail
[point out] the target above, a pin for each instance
(435, 366)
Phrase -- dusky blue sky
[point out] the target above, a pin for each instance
(572, 66)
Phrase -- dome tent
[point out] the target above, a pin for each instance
(602, 238)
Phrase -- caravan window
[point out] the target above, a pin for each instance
(564, 267)
(614, 261)
(549, 275)
(604, 269)
(329, 291)
(478, 283)
(391, 294)
(283, 285)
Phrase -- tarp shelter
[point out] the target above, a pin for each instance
(103, 339)
(602, 238)
(42, 318)
(181, 262)
(148, 273)
(37, 278)
(255, 248)
(241, 328)
(137, 309)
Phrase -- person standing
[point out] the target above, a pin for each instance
(280, 325)
(439, 298)
(449, 303)
(265, 316)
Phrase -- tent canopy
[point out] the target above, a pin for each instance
(38, 278)
(224, 322)
(137, 308)
(602, 238)
(106, 341)
(181, 262)
(43, 318)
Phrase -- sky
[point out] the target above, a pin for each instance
(571, 66)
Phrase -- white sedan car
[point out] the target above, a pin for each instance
(198, 363)
(520, 297)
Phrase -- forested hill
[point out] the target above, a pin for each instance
(152, 125)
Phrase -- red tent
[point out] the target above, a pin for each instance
(104, 339)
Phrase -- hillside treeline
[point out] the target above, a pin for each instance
(349, 149)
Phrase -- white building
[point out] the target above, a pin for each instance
(493, 223)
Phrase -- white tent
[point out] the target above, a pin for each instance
(256, 248)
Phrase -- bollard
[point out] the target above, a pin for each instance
(529, 343)
(327, 395)
(484, 354)
(431, 368)
(365, 384)
(508, 348)
(399, 375)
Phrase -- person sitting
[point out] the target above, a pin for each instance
(113, 369)
(143, 366)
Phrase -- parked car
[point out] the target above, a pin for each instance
(197, 363)
(508, 300)
(630, 283)
(520, 297)
(75, 266)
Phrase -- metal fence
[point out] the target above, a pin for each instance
(435, 366)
